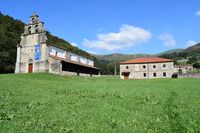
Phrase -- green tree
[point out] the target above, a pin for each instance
(196, 66)
(193, 59)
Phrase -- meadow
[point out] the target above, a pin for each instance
(51, 103)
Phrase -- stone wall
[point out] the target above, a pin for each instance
(67, 73)
(21, 68)
(55, 66)
(41, 66)
(189, 75)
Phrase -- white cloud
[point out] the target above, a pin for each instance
(74, 44)
(168, 40)
(127, 36)
(190, 43)
(198, 13)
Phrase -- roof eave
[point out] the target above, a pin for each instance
(124, 63)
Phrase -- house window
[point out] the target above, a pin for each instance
(144, 66)
(164, 74)
(164, 65)
(154, 74)
(127, 67)
(144, 74)
(154, 66)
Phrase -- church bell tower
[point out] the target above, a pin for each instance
(32, 52)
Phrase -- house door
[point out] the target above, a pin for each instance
(30, 67)
(126, 76)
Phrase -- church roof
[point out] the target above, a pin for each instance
(147, 60)
(73, 62)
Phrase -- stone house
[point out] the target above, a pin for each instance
(34, 54)
(147, 68)
(183, 69)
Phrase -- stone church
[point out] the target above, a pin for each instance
(35, 55)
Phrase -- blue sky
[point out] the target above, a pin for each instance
(115, 26)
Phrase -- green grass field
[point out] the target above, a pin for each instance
(50, 103)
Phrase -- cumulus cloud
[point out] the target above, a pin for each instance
(198, 13)
(190, 43)
(168, 40)
(127, 36)
(74, 44)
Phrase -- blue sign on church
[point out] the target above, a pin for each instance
(37, 52)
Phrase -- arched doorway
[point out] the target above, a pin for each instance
(126, 75)
(174, 75)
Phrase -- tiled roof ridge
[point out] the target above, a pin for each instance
(147, 60)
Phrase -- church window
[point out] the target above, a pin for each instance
(29, 29)
(33, 20)
(36, 28)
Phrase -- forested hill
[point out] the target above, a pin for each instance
(193, 50)
(192, 53)
(10, 32)
(171, 51)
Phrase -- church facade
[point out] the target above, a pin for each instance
(35, 55)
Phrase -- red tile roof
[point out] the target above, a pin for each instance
(147, 60)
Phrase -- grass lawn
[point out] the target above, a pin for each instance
(50, 103)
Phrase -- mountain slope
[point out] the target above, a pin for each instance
(195, 49)
(171, 51)
(119, 57)
(190, 52)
